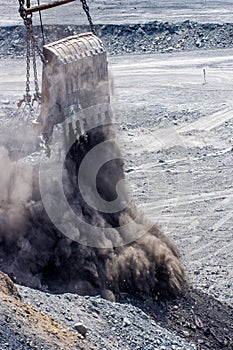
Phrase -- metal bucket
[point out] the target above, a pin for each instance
(74, 78)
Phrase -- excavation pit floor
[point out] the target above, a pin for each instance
(175, 131)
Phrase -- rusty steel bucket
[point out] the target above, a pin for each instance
(74, 78)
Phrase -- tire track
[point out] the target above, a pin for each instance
(209, 122)
(187, 199)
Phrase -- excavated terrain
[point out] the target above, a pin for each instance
(171, 67)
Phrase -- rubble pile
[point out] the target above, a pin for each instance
(130, 38)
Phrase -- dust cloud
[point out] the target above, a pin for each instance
(132, 255)
(15, 191)
(35, 253)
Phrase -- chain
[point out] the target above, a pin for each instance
(37, 95)
(37, 47)
(22, 10)
(41, 24)
(27, 97)
(31, 48)
(86, 10)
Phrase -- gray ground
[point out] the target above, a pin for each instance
(110, 326)
(176, 135)
(130, 11)
(180, 154)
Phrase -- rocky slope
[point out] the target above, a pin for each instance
(23, 327)
(130, 38)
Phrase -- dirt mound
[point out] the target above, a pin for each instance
(130, 38)
(197, 317)
(23, 327)
(7, 286)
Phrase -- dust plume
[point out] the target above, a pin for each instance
(132, 255)
(15, 191)
(35, 253)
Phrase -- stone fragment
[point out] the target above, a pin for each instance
(81, 328)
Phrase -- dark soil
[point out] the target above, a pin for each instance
(197, 317)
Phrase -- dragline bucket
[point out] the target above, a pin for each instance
(74, 79)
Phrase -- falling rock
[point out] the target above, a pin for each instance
(81, 328)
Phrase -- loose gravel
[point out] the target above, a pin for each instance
(129, 38)
(110, 326)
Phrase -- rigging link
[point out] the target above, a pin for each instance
(87, 11)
